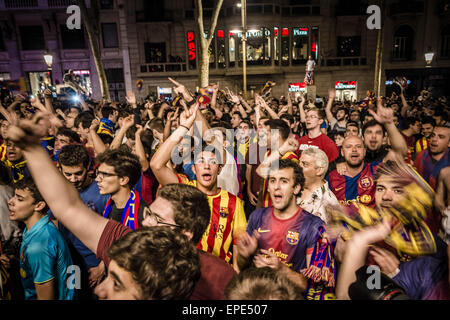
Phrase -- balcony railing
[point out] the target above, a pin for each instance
(343, 61)
(19, 4)
(61, 3)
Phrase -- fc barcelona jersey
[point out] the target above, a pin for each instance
(360, 188)
(226, 222)
(291, 240)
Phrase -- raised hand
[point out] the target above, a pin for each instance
(131, 98)
(187, 117)
(247, 245)
(27, 133)
(139, 130)
(387, 261)
(94, 125)
(331, 94)
(383, 115)
(128, 122)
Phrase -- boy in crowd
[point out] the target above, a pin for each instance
(44, 256)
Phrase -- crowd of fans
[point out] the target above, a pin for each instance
(213, 196)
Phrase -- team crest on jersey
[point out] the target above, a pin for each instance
(292, 237)
(223, 212)
(366, 182)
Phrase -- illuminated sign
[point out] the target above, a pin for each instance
(251, 33)
(285, 32)
(297, 87)
(343, 85)
(81, 72)
(390, 82)
(300, 31)
(191, 46)
(275, 32)
(220, 34)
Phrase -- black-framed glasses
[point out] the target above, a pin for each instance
(155, 219)
(102, 175)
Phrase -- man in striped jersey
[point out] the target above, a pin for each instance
(227, 211)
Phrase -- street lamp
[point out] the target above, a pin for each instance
(48, 57)
(429, 58)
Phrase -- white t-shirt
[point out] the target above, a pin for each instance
(310, 65)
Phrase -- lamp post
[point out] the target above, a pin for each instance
(48, 57)
(243, 6)
(429, 58)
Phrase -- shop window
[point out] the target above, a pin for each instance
(258, 47)
(276, 46)
(285, 46)
(221, 49)
(155, 52)
(233, 38)
(32, 37)
(300, 43)
(349, 46)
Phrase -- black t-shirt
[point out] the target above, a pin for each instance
(116, 213)
(377, 155)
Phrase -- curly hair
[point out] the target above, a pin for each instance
(190, 206)
(74, 155)
(125, 164)
(163, 262)
(262, 284)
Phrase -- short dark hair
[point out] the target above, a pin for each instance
(72, 135)
(372, 123)
(289, 117)
(343, 109)
(280, 125)
(74, 155)
(163, 262)
(85, 118)
(157, 124)
(238, 114)
(299, 178)
(107, 111)
(27, 183)
(131, 133)
(106, 138)
(125, 164)
(409, 121)
(190, 206)
(429, 120)
(262, 284)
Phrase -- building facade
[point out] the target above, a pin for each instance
(153, 40)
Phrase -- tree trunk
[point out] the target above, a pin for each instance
(204, 69)
(95, 47)
(205, 43)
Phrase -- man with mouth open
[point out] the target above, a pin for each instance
(287, 238)
(227, 211)
(358, 183)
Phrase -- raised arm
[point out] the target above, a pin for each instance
(162, 156)
(355, 256)
(127, 123)
(301, 108)
(97, 142)
(140, 151)
(331, 96)
(405, 107)
(385, 116)
(59, 194)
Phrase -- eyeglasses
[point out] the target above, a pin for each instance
(154, 219)
(102, 175)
